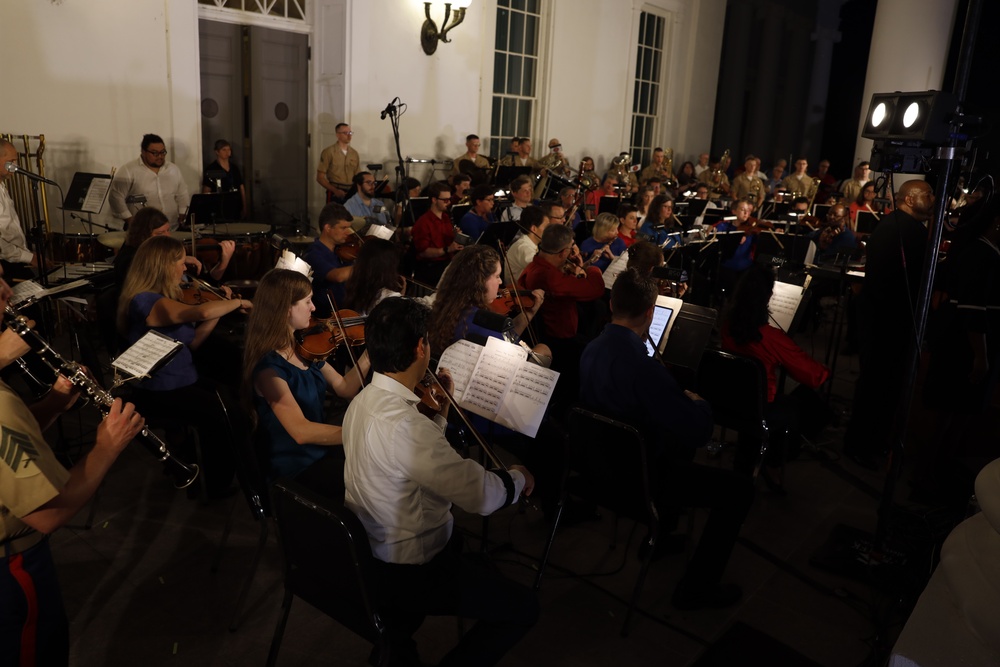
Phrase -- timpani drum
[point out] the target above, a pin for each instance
(77, 243)
(254, 255)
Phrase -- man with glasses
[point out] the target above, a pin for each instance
(434, 236)
(363, 204)
(338, 165)
(480, 216)
(152, 177)
(533, 223)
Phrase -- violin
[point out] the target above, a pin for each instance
(511, 302)
(348, 250)
(755, 226)
(323, 336)
(197, 291)
(429, 395)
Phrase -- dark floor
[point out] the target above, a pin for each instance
(139, 590)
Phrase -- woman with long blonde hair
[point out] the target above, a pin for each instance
(284, 390)
(150, 300)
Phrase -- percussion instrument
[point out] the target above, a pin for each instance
(254, 256)
(77, 243)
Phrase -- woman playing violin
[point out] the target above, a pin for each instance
(471, 284)
(374, 276)
(150, 300)
(283, 391)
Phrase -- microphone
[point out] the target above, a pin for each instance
(388, 108)
(13, 168)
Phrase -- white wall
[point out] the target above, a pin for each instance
(93, 76)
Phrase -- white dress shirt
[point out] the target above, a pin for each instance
(164, 189)
(519, 255)
(13, 247)
(402, 476)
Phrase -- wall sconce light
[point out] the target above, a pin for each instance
(429, 34)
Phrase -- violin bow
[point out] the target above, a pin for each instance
(343, 332)
(513, 286)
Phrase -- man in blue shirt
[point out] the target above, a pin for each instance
(618, 379)
(363, 204)
(480, 216)
(329, 271)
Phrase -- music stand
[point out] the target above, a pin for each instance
(417, 207)
(216, 207)
(865, 222)
(609, 204)
(713, 216)
(87, 192)
(689, 336)
(820, 210)
(507, 174)
(692, 207)
(458, 212)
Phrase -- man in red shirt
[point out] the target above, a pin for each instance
(434, 236)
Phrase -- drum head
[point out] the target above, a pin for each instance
(113, 240)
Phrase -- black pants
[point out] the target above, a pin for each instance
(196, 406)
(454, 584)
(727, 495)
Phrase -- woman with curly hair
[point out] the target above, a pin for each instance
(284, 391)
(470, 284)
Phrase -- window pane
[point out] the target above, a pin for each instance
(514, 75)
(528, 88)
(642, 25)
(495, 128)
(643, 97)
(503, 17)
(653, 92)
(499, 72)
(509, 116)
(647, 64)
(516, 33)
(503, 3)
(656, 66)
(517, 4)
(523, 118)
(658, 35)
(531, 36)
(532, 6)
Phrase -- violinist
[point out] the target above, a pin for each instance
(150, 300)
(375, 276)
(363, 203)
(834, 235)
(330, 272)
(470, 285)
(402, 477)
(605, 244)
(480, 216)
(434, 236)
(284, 392)
(742, 258)
(460, 185)
(148, 222)
(533, 223)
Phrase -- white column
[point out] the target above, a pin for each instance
(909, 52)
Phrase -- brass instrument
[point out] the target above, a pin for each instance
(715, 179)
(620, 165)
(588, 180)
(21, 191)
(813, 190)
(669, 180)
(553, 162)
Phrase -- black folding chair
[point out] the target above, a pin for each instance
(328, 563)
(609, 458)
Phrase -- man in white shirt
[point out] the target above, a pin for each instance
(533, 222)
(401, 477)
(153, 177)
(521, 192)
(13, 246)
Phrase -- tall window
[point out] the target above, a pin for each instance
(515, 71)
(289, 9)
(647, 86)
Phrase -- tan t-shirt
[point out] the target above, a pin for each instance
(30, 475)
(339, 167)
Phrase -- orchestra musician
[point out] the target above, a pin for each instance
(618, 379)
(850, 189)
(520, 253)
(835, 234)
(747, 330)
(151, 301)
(338, 164)
(374, 276)
(567, 199)
(827, 181)
(645, 198)
(471, 154)
(330, 272)
(702, 165)
(363, 204)
(685, 175)
(628, 219)
(863, 203)
(231, 180)
(715, 178)
(460, 184)
(521, 192)
(661, 221)
(434, 236)
(555, 147)
(609, 188)
(523, 157)
(655, 168)
(411, 188)
(799, 182)
(480, 216)
(151, 175)
(748, 184)
(402, 477)
(512, 153)
(16, 260)
(284, 387)
(604, 245)
(38, 496)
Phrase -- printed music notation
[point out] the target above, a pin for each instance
(616, 266)
(29, 289)
(499, 383)
(784, 303)
(146, 354)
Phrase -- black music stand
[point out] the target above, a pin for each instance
(691, 207)
(865, 222)
(689, 336)
(609, 204)
(458, 212)
(216, 207)
(820, 210)
(792, 248)
(714, 216)
(87, 193)
(417, 207)
(507, 174)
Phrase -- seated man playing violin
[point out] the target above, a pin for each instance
(330, 269)
(520, 253)
(619, 380)
(285, 380)
(402, 478)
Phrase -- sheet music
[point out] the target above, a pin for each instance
(289, 260)
(460, 358)
(614, 268)
(527, 398)
(492, 376)
(381, 232)
(29, 288)
(784, 302)
(96, 193)
(147, 352)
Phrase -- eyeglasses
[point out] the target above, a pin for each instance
(347, 132)
(157, 153)
(368, 182)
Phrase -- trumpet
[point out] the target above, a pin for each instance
(183, 473)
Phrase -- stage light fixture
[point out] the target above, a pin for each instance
(923, 117)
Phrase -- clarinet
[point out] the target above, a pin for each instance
(183, 474)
